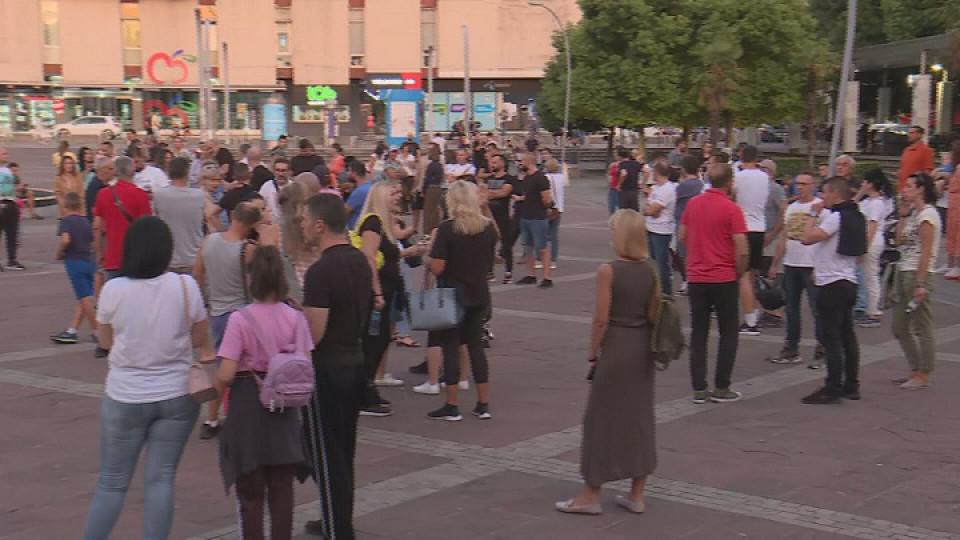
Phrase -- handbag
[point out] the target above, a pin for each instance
(198, 380)
(667, 342)
(434, 309)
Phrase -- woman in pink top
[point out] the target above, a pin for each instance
(260, 450)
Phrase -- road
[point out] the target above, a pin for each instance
(765, 467)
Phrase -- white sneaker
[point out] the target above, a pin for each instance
(427, 388)
(538, 266)
(942, 270)
(553, 266)
(388, 380)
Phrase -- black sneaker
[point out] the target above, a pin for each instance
(209, 431)
(725, 395)
(14, 265)
(419, 369)
(786, 357)
(823, 396)
(528, 280)
(376, 410)
(450, 413)
(315, 528)
(546, 284)
(100, 352)
(770, 321)
(482, 411)
(852, 393)
(747, 330)
(65, 338)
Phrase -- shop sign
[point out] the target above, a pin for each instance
(321, 95)
(406, 81)
(164, 68)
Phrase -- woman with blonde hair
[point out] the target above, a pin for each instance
(618, 427)
(380, 229)
(461, 254)
(299, 253)
(68, 180)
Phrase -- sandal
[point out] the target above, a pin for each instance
(406, 341)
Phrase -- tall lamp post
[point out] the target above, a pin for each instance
(943, 113)
(566, 99)
(844, 82)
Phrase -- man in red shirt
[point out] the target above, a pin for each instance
(613, 196)
(117, 206)
(916, 157)
(714, 232)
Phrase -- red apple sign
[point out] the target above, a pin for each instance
(162, 69)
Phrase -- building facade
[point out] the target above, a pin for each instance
(307, 67)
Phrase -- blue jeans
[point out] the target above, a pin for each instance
(796, 281)
(613, 201)
(660, 251)
(126, 428)
(861, 306)
(553, 234)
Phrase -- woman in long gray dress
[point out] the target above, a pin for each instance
(618, 427)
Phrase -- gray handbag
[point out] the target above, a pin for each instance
(435, 309)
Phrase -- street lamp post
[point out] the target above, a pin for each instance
(942, 124)
(429, 109)
(566, 99)
(844, 81)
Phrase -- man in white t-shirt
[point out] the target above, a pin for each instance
(752, 188)
(835, 275)
(461, 169)
(148, 177)
(659, 212)
(797, 260)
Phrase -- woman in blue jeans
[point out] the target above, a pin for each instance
(150, 320)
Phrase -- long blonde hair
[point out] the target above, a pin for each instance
(630, 235)
(378, 202)
(291, 199)
(463, 205)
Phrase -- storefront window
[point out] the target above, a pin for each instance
(356, 37)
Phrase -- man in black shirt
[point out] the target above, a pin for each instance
(337, 300)
(239, 190)
(500, 187)
(537, 199)
(307, 159)
(629, 182)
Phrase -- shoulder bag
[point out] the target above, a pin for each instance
(119, 204)
(198, 380)
(434, 309)
(667, 342)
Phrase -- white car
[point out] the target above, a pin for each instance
(104, 127)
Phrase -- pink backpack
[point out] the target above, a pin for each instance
(289, 381)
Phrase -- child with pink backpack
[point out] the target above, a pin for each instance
(265, 360)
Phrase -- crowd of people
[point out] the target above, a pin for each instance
(180, 258)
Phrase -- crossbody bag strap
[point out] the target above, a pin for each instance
(119, 204)
(243, 270)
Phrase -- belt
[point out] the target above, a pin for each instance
(248, 373)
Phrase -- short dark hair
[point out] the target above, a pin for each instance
(179, 167)
(721, 175)
(147, 249)
(679, 140)
(925, 182)
(13, 164)
(749, 154)
(244, 148)
(690, 164)
(241, 171)
(919, 129)
(72, 201)
(322, 172)
(246, 213)
(281, 160)
(268, 282)
(358, 168)
(329, 209)
(661, 169)
(305, 143)
(624, 153)
(839, 185)
(284, 137)
(108, 143)
(722, 156)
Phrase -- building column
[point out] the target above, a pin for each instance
(920, 111)
(850, 116)
(884, 95)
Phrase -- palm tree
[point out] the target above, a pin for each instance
(719, 55)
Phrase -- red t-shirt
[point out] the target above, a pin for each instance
(711, 219)
(614, 175)
(137, 203)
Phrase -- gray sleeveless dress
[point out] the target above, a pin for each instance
(618, 427)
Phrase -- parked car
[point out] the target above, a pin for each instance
(105, 127)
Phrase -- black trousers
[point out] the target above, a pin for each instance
(508, 232)
(10, 227)
(470, 332)
(271, 485)
(374, 347)
(835, 302)
(724, 298)
(630, 199)
(330, 422)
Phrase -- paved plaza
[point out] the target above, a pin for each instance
(767, 467)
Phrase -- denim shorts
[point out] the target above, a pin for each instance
(80, 272)
(535, 233)
(218, 327)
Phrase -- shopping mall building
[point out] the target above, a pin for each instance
(293, 66)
